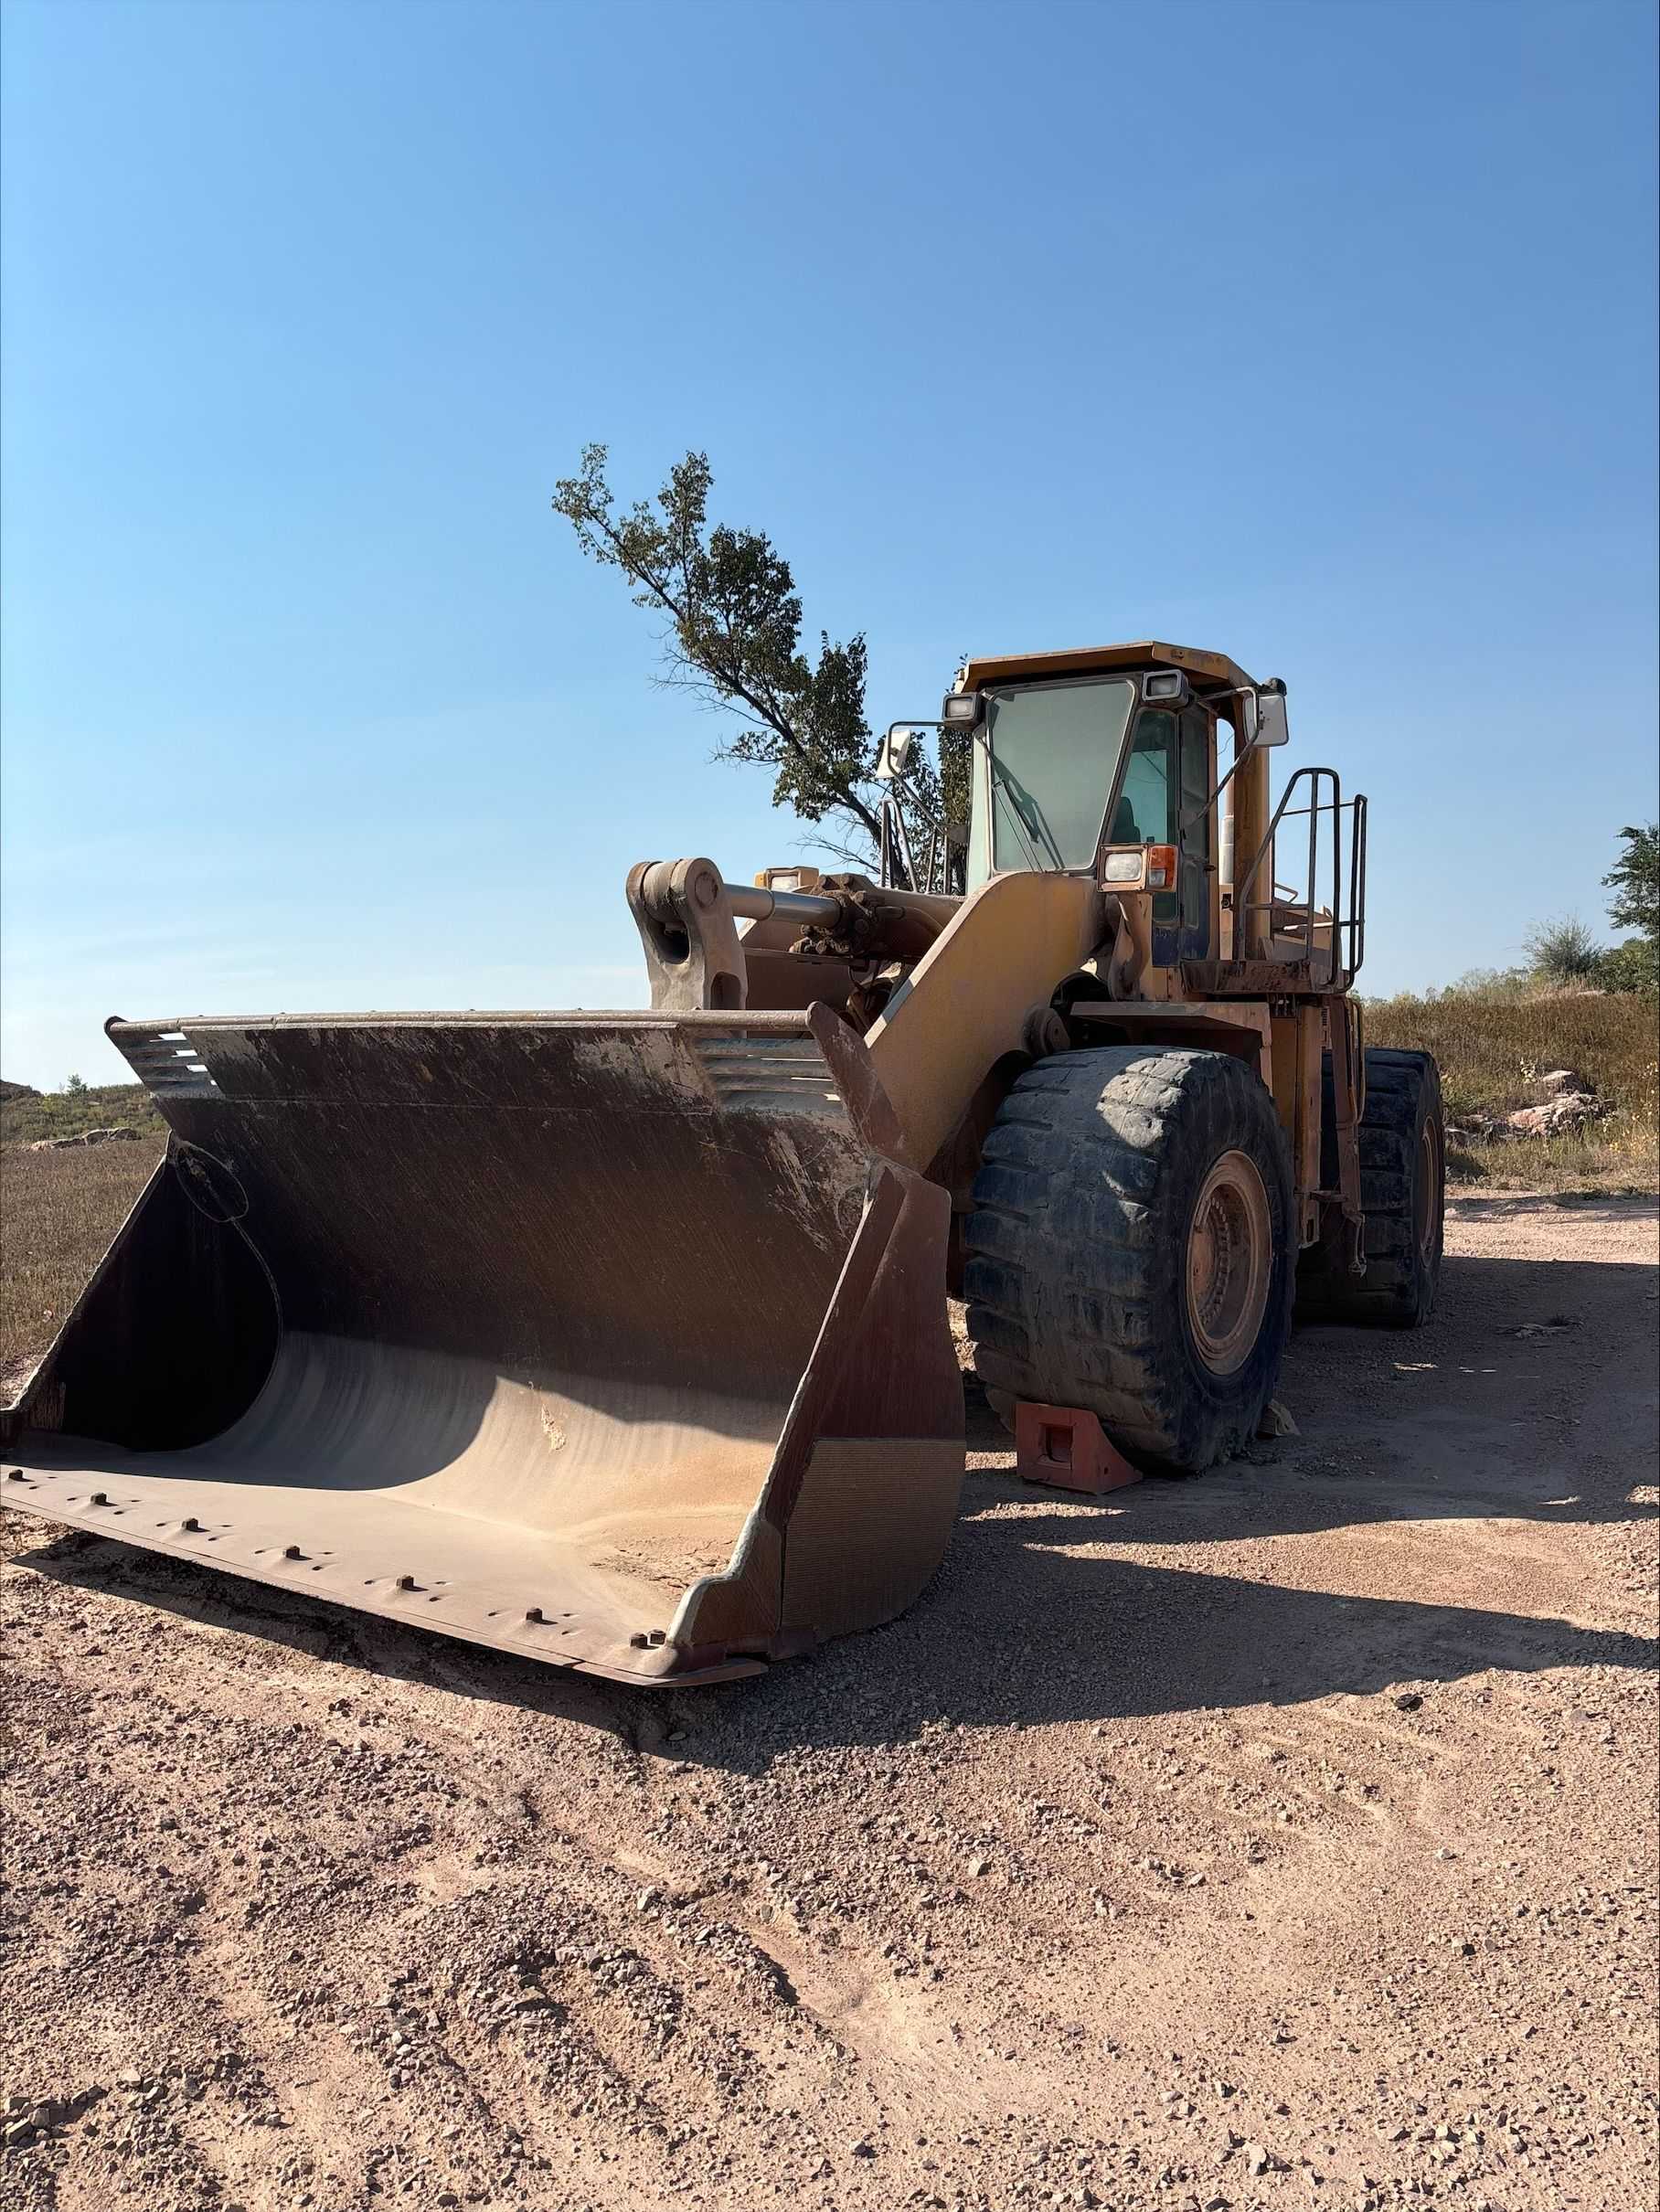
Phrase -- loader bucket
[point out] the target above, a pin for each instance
(616, 1340)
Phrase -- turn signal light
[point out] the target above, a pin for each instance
(1161, 867)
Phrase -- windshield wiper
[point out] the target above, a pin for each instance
(1027, 816)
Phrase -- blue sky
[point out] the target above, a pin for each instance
(1322, 334)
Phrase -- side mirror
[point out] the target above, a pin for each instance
(1271, 727)
(895, 755)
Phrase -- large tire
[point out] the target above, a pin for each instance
(1096, 1277)
(1402, 1194)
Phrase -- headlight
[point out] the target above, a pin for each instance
(961, 710)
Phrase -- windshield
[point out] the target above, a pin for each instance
(1054, 752)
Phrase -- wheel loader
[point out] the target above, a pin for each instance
(622, 1340)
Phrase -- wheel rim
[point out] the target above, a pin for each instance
(1428, 1185)
(1229, 1262)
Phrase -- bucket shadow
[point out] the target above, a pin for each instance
(1048, 1609)
(1019, 1629)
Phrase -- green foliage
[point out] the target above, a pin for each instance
(74, 1086)
(734, 638)
(1562, 952)
(1633, 966)
(1634, 879)
(27, 1115)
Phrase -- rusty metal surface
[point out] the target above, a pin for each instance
(1011, 667)
(536, 1329)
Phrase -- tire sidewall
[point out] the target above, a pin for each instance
(1217, 1414)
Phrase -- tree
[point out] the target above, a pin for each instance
(1562, 952)
(733, 640)
(1632, 966)
(1634, 879)
(74, 1086)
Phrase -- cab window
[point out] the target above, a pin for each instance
(1143, 816)
(1167, 783)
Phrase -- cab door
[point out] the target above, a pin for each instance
(1168, 777)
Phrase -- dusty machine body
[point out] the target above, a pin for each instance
(621, 1340)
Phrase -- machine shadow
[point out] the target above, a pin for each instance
(1018, 1630)
(1039, 1612)
(1122, 1641)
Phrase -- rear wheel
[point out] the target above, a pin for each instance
(1402, 1194)
(1131, 1250)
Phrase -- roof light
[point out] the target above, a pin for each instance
(1169, 684)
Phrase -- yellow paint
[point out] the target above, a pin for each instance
(1003, 953)
(1014, 667)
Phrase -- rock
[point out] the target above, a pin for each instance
(1409, 1701)
(1568, 1079)
(1478, 1126)
(1276, 1420)
(85, 1137)
(862, 2148)
(979, 1866)
(1569, 1110)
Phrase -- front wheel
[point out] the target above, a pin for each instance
(1131, 1251)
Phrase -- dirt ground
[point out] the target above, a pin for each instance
(1285, 1837)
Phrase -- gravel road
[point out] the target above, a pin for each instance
(1284, 1837)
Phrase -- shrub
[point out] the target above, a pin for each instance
(1632, 966)
(1562, 952)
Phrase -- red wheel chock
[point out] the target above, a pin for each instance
(1067, 1449)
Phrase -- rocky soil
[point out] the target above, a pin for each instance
(1281, 1838)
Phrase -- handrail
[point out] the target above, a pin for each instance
(1347, 931)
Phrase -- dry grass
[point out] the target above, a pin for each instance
(27, 1115)
(58, 1212)
(1492, 1050)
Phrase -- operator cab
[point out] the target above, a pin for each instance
(1109, 771)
